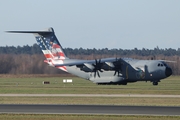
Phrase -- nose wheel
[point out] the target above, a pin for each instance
(155, 83)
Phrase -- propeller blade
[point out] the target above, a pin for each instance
(96, 61)
(117, 67)
(115, 73)
(99, 61)
(118, 72)
(98, 74)
(97, 67)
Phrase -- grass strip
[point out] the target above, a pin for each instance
(92, 100)
(168, 86)
(83, 117)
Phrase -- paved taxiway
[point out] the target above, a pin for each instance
(89, 109)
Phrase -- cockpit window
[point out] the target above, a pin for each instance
(161, 64)
(165, 64)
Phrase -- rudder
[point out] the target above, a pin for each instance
(50, 45)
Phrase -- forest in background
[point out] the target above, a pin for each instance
(30, 60)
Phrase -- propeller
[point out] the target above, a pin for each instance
(117, 67)
(97, 67)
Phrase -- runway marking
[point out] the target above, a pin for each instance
(89, 95)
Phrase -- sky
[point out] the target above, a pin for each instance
(125, 24)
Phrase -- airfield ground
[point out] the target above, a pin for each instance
(32, 84)
(83, 117)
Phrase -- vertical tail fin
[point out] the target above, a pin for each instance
(49, 45)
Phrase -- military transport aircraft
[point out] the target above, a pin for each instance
(100, 71)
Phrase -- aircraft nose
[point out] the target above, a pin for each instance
(168, 71)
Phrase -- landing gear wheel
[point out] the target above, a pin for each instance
(155, 83)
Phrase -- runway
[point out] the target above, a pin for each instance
(89, 109)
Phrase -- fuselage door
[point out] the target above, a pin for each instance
(140, 74)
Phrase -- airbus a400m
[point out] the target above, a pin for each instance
(100, 71)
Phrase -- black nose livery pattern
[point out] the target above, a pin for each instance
(168, 71)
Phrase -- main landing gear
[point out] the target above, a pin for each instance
(155, 83)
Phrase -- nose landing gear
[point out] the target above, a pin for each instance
(155, 82)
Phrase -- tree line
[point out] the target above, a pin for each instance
(30, 60)
(35, 49)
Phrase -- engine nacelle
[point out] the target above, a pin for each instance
(108, 66)
(86, 67)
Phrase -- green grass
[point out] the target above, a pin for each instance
(92, 100)
(82, 117)
(81, 86)
(169, 86)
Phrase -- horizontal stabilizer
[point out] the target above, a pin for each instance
(29, 32)
(42, 32)
(33, 32)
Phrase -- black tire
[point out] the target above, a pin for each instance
(155, 83)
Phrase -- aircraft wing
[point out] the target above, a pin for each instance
(71, 62)
(97, 64)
